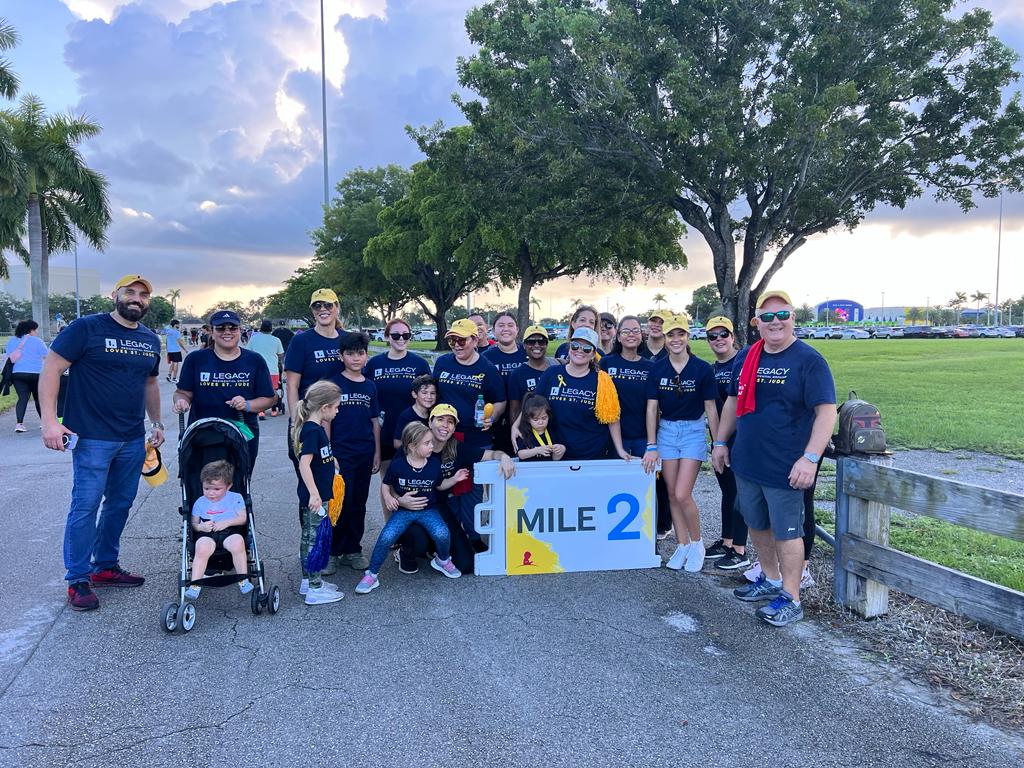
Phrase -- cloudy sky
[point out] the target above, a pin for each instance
(211, 142)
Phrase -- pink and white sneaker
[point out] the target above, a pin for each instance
(368, 583)
(447, 567)
(753, 573)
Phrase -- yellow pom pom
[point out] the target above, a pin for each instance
(337, 499)
(607, 405)
(488, 410)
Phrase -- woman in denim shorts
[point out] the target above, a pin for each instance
(681, 396)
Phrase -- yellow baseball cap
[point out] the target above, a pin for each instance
(536, 330)
(773, 295)
(676, 323)
(127, 280)
(324, 294)
(443, 409)
(660, 315)
(720, 320)
(463, 328)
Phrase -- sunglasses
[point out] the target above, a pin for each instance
(536, 342)
(457, 341)
(630, 331)
(316, 306)
(679, 384)
(576, 346)
(767, 317)
(713, 335)
(225, 327)
(608, 326)
(397, 336)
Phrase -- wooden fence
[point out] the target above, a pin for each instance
(867, 490)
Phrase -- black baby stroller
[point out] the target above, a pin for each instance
(204, 441)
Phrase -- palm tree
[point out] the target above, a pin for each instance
(61, 194)
(173, 295)
(8, 80)
(659, 299)
(535, 302)
(978, 297)
(957, 304)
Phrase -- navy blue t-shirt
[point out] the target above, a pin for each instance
(213, 382)
(630, 379)
(723, 380)
(506, 362)
(394, 386)
(460, 385)
(645, 352)
(314, 358)
(465, 458)
(522, 381)
(403, 478)
(404, 419)
(352, 428)
(575, 424)
(681, 395)
(789, 385)
(313, 441)
(110, 367)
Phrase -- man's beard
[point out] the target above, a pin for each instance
(131, 312)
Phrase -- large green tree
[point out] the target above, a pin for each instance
(761, 124)
(544, 211)
(432, 243)
(705, 302)
(61, 195)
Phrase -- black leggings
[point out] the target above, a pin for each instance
(26, 384)
(810, 523)
(734, 527)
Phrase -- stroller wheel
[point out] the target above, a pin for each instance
(256, 602)
(187, 616)
(274, 600)
(169, 617)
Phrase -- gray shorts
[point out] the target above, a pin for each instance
(781, 509)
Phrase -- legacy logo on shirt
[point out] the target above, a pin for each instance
(772, 375)
(406, 372)
(356, 398)
(628, 374)
(225, 378)
(325, 452)
(686, 385)
(325, 355)
(414, 483)
(469, 379)
(129, 347)
(531, 383)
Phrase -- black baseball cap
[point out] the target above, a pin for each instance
(222, 316)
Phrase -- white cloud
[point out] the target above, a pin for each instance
(208, 206)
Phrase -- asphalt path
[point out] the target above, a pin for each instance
(634, 668)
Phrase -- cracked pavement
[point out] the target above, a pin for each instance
(637, 667)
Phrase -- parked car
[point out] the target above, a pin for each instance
(1018, 329)
(942, 332)
(988, 333)
(961, 333)
(917, 332)
(854, 333)
(699, 333)
(827, 332)
(886, 332)
(1005, 333)
(803, 333)
(426, 334)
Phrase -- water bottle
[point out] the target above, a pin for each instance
(478, 412)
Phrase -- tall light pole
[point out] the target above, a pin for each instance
(999, 249)
(883, 307)
(323, 95)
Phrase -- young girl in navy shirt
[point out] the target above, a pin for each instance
(417, 473)
(535, 443)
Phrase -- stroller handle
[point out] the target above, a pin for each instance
(181, 426)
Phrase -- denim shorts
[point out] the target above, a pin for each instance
(683, 439)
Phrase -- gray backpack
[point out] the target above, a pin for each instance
(860, 428)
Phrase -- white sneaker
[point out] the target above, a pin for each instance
(304, 586)
(678, 558)
(694, 556)
(753, 573)
(245, 587)
(322, 596)
(192, 592)
(806, 580)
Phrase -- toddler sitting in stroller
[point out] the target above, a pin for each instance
(218, 517)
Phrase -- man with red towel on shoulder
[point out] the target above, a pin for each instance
(782, 407)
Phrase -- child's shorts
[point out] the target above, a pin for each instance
(683, 439)
(219, 537)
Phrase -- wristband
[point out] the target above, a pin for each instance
(248, 407)
(719, 444)
(651, 448)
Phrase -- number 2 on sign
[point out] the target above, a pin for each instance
(619, 532)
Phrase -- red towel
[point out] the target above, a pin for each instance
(748, 380)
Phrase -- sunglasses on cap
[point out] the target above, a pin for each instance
(536, 341)
(713, 335)
(579, 346)
(316, 306)
(767, 317)
(397, 336)
(225, 327)
(457, 341)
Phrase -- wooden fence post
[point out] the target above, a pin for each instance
(870, 521)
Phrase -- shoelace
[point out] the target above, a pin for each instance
(778, 602)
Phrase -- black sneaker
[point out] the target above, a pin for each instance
(716, 550)
(407, 565)
(479, 546)
(732, 561)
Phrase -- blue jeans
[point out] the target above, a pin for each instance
(400, 521)
(107, 471)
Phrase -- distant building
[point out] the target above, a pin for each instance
(840, 311)
(889, 315)
(62, 281)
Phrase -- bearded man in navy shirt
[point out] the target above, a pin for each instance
(782, 407)
(114, 362)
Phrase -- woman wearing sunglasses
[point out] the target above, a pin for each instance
(729, 552)
(524, 379)
(393, 372)
(585, 316)
(608, 331)
(680, 396)
(584, 402)
(314, 355)
(226, 382)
